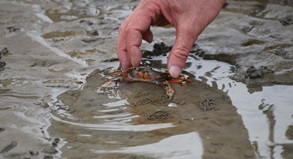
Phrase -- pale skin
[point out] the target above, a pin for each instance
(189, 17)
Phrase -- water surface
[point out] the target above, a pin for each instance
(50, 108)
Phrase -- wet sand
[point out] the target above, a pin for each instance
(52, 68)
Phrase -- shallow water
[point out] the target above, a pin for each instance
(50, 107)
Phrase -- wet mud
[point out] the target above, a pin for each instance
(3, 52)
(54, 55)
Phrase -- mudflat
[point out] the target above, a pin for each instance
(54, 55)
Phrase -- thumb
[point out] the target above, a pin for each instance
(185, 38)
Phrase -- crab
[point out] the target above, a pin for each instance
(147, 74)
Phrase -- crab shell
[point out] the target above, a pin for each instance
(150, 75)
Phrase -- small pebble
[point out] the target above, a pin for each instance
(172, 105)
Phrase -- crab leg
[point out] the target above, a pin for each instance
(106, 86)
(181, 80)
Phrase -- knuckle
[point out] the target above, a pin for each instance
(181, 53)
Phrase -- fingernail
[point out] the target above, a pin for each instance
(132, 64)
(174, 71)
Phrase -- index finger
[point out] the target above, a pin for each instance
(122, 45)
(130, 36)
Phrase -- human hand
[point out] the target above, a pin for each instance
(189, 17)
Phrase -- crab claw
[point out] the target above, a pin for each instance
(109, 85)
(168, 89)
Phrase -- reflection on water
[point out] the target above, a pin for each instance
(116, 124)
(266, 114)
(131, 127)
(175, 147)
